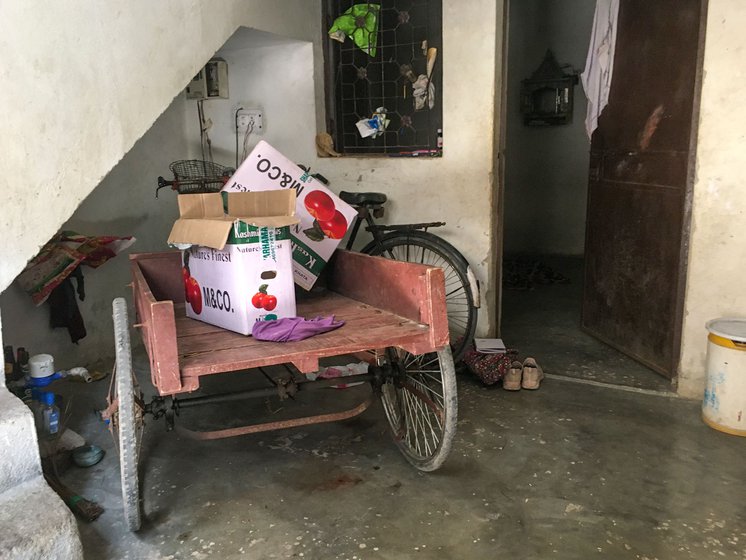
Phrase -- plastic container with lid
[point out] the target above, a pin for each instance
(724, 404)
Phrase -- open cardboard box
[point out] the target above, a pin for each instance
(238, 266)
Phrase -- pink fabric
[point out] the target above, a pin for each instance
(293, 328)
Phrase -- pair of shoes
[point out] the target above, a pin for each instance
(527, 375)
(532, 374)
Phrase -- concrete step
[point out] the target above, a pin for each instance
(19, 450)
(34, 524)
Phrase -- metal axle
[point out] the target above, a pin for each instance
(285, 387)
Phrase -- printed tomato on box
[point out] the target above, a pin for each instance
(324, 217)
(319, 204)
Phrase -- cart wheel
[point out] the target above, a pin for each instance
(127, 422)
(421, 406)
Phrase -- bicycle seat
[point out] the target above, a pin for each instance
(363, 198)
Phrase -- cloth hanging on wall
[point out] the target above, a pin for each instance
(599, 64)
(62, 255)
(63, 306)
(48, 276)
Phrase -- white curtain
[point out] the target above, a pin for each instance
(599, 65)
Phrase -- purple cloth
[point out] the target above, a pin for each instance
(293, 328)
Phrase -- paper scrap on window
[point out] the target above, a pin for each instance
(359, 23)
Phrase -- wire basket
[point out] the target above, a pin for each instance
(193, 176)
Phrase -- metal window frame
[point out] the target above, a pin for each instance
(410, 132)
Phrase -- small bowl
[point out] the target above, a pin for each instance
(87, 455)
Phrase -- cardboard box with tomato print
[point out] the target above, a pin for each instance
(324, 217)
(238, 266)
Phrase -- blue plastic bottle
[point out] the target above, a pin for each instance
(50, 415)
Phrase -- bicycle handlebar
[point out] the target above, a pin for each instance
(163, 183)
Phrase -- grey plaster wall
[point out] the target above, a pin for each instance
(546, 168)
(123, 204)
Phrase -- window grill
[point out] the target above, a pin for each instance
(358, 84)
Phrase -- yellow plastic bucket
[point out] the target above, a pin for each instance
(724, 403)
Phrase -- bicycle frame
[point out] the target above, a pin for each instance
(378, 231)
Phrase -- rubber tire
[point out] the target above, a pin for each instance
(449, 254)
(448, 377)
(127, 432)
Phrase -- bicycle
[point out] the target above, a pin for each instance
(413, 243)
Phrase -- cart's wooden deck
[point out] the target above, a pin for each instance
(383, 303)
(205, 349)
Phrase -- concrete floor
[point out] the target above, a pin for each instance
(569, 471)
(545, 323)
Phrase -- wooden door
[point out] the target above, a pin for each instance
(642, 157)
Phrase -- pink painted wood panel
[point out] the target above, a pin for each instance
(383, 303)
(162, 271)
(389, 285)
(365, 327)
(159, 332)
(411, 290)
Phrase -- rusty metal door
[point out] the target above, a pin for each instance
(640, 179)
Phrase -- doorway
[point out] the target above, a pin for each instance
(590, 263)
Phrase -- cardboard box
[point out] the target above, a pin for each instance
(324, 218)
(237, 264)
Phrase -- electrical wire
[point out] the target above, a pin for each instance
(204, 135)
(201, 128)
(236, 122)
(249, 130)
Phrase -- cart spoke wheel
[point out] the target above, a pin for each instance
(126, 422)
(421, 406)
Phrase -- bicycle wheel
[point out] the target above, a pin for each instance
(425, 248)
(421, 406)
(127, 421)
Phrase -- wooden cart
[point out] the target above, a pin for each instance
(395, 318)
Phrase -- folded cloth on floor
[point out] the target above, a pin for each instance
(293, 328)
(490, 368)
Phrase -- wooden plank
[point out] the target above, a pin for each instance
(411, 290)
(389, 285)
(217, 342)
(365, 328)
(143, 298)
(435, 310)
(356, 317)
(159, 334)
(233, 359)
(188, 327)
(165, 351)
(162, 271)
(331, 304)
